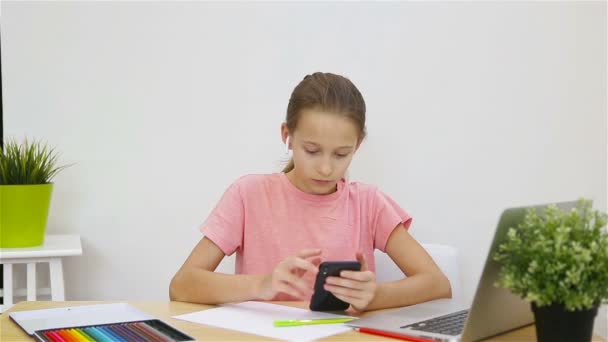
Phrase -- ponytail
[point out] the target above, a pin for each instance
(289, 166)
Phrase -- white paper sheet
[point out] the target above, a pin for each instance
(258, 318)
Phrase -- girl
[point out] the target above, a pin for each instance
(282, 225)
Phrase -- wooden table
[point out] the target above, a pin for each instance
(9, 331)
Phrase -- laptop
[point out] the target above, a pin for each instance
(494, 310)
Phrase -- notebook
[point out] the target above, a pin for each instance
(100, 322)
(494, 310)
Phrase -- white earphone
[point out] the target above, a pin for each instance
(287, 145)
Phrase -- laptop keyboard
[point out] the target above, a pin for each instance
(450, 324)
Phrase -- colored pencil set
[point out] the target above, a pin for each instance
(143, 331)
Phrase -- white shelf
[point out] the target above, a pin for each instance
(53, 246)
(52, 251)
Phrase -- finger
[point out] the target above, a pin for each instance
(352, 311)
(356, 306)
(298, 283)
(344, 298)
(344, 292)
(361, 258)
(346, 283)
(297, 263)
(290, 290)
(309, 252)
(316, 262)
(357, 299)
(348, 299)
(359, 276)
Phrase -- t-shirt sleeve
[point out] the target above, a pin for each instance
(387, 215)
(224, 226)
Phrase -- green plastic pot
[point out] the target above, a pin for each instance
(24, 211)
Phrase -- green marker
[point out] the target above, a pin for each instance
(298, 322)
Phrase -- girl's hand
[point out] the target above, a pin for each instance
(287, 276)
(356, 288)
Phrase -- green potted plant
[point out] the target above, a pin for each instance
(558, 260)
(26, 171)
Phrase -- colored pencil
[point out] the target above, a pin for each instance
(393, 335)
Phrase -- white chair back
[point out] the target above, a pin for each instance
(446, 257)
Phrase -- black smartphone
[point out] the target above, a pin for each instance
(323, 300)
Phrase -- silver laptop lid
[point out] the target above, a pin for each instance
(496, 310)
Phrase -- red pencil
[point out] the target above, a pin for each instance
(393, 335)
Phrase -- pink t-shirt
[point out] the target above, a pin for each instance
(265, 218)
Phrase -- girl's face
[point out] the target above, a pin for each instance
(323, 146)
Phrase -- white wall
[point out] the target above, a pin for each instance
(472, 107)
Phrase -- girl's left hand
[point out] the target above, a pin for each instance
(356, 288)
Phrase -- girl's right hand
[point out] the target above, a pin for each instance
(287, 276)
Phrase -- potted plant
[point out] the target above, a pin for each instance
(26, 171)
(558, 260)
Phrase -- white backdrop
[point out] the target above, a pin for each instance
(472, 107)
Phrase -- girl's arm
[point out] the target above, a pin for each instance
(197, 282)
(424, 281)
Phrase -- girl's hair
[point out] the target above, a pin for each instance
(329, 93)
